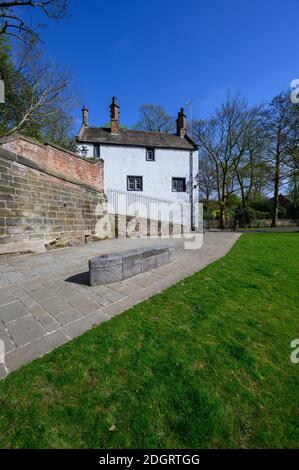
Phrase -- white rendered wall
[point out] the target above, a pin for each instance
(119, 162)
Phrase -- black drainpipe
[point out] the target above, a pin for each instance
(191, 179)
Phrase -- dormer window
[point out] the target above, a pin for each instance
(96, 151)
(150, 154)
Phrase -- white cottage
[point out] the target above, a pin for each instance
(155, 164)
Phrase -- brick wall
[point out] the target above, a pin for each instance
(39, 208)
(57, 160)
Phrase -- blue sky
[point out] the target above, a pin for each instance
(168, 51)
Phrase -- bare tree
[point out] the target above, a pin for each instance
(294, 179)
(36, 94)
(281, 124)
(154, 118)
(13, 24)
(252, 172)
(222, 138)
(59, 129)
(206, 181)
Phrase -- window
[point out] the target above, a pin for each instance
(134, 183)
(96, 151)
(150, 154)
(179, 185)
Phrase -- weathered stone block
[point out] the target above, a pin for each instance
(105, 269)
(131, 264)
(163, 258)
(117, 266)
(148, 262)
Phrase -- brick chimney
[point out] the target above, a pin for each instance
(114, 116)
(85, 116)
(181, 123)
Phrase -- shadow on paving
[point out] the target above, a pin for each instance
(80, 278)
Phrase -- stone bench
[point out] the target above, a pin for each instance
(115, 267)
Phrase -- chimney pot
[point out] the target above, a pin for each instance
(85, 116)
(114, 116)
(181, 123)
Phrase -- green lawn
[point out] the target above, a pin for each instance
(204, 364)
(287, 229)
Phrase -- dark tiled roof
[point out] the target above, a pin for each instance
(102, 135)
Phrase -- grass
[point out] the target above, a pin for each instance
(204, 364)
(286, 229)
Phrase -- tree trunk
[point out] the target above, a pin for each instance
(222, 215)
(208, 213)
(244, 202)
(276, 191)
(223, 203)
(243, 197)
(295, 195)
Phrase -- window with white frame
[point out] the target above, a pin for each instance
(134, 183)
(150, 154)
(179, 185)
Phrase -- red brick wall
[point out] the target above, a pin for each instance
(61, 161)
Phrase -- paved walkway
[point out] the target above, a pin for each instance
(45, 299)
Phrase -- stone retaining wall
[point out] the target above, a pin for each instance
(40, 209)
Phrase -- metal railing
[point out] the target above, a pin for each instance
(147, 207)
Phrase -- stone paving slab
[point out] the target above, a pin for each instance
(65, 318)
(45, 299)
(38, 348)
(44, 318)
(4, 335)
(25, 330)
(13, 311)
